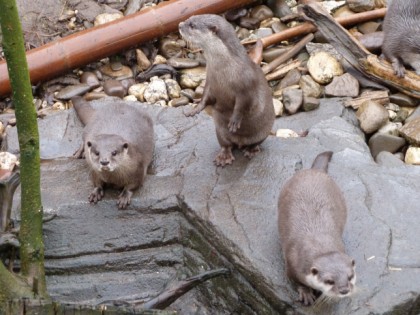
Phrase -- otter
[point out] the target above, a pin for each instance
(402, 41)
(235, 87)
(118, 143)
(311, 218)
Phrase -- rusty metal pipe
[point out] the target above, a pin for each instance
(57, 57)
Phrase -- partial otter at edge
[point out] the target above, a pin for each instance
(118, 143)
(235, 86)
(311, 218)
(402, 41)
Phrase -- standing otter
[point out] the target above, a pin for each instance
(402, 41)
(311, 217)
(118, 145)
(235, 86)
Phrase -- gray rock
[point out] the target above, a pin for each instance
(361, 5)
(372, 116)
(249, 22)
(310, 103)
(382, 142)
(411, 131)
(343, 85)
(403, 100)
(73, 90)
(292, 100)
(373, 41)
(291, 78)
(261, 12)
(90, 79)
(183, 63)
(388, 159)
(191, 216)
(170, 48)
(263, 32)
(415, 114)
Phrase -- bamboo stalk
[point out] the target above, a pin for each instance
(81, 48)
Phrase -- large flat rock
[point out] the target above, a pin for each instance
(191, 216)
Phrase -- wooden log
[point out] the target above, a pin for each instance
(81, 48)
(380, 97)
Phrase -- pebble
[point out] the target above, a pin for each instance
(323, 67)
(143, 62)
(371, 116)
(392, 115)
(159, 59)
(411, 131)
(261, 12)
(369, 27)
(263, 32)
(390, 128)
(188, 93)
(249, 23)
(331, 6)
(73, 90)
(278, 26)
(361, 5)
(114, 88)
(183, 63)
(234, 14)
(310, 103)
(402, 100)
(181, 101)
(415, 114)
(138, 90)
(278, 107)
(170, 48)
(90, 79)
(272, 53)
(8, 161)
(124, 73)
(173, 88)
(401, 116)
(106, 18)
(373, 41)
(94, 96)
(292, 100)
(343, 85)
(412, 156)
(59, 106)
(130, 98)
(382, 142)
(156, 91)
(191, 78)
(291, 78)
(1, 129)
(286, 133)
(309, 87)
(280, 8)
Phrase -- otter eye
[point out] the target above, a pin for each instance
(329, 282)
(114, 153)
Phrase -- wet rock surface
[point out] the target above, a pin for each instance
(191, 216)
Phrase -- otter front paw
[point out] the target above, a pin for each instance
(399, 69)
(251, 151)
(194, 110)
(124, 199)
(306, 295)
(234, 123)
(96, 195)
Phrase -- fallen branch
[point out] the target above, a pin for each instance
(81, 48)
(380, 97)
(361, 61)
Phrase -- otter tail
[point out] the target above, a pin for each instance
(321, 161)
(83, 109)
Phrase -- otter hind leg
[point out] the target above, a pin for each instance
(251, 150)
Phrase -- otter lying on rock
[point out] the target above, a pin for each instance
(118, 143)
(311, 218)
(235, 86)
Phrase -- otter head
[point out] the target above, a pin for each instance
(106, 152)
(210, 32)
(333, 274)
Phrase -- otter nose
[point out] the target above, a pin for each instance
(104, 163)
(344, 291)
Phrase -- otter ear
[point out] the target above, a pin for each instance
(125, 145)
(214, 29)
(89, 144)
(314, 271)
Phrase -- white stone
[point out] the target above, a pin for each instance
(286, 133)
(390, 128)
(159, 59)
(323, 67)
(156, 91)
(130, 98)
(191, 78)
(412, 156)
(173, 88)
(138, 90)
(106, 18)
(8, 161)
(278, 107)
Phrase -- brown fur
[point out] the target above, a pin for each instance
(118, 145)
(402, 40)
(311, 218)
(235, 86)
